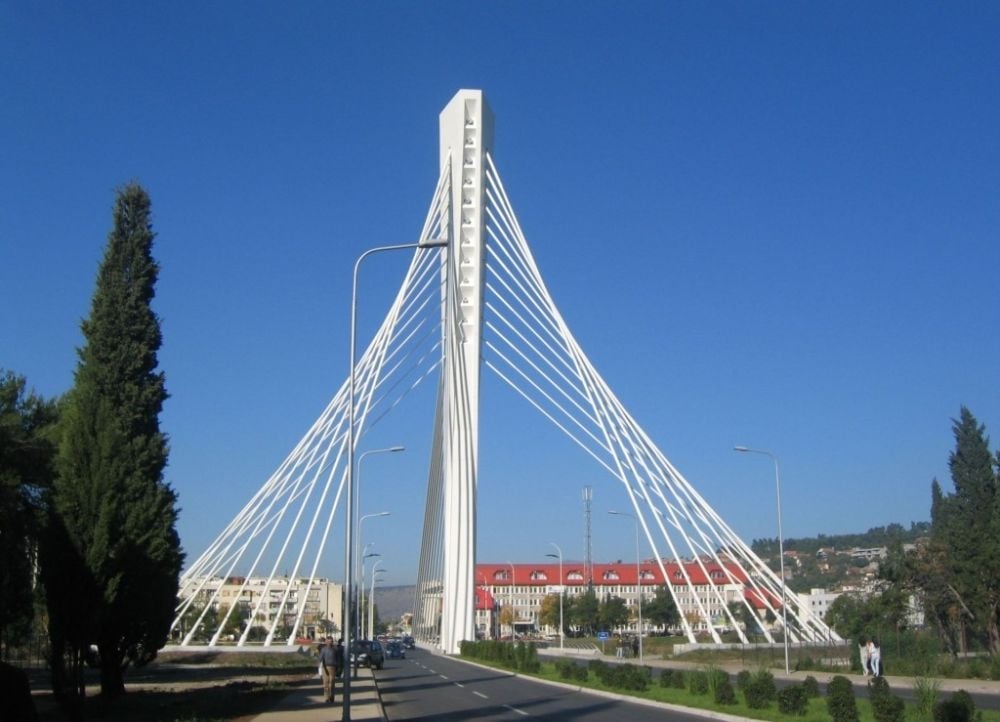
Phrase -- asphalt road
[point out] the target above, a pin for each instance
(429, 687)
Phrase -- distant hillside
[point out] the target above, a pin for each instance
(808, 570)
(878, 536)
(394, 602)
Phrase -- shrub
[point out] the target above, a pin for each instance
(840, 700)
(568, 669)
(630, 677)
(697, 682)
(672, 678)
(793, 699)
(886, 707)
(760, 691)
(598, 667)
(958, 708)
(925, 691)
(724, 693)
(716, 676)
(743, 679)
(811, 686)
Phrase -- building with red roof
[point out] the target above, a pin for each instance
(522, 587)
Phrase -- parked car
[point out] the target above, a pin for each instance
(367, 653)
(395, 650)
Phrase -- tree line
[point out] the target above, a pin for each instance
(90, 551)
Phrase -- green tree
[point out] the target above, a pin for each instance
(965, 533)
(113, 519)
(583, 610)
(27, 450)
(548, 612)
(661, 610)
(613, 613)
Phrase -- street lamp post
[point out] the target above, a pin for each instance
(361, 587)
(371, 600)
(638, 574)
(361, 590)
(512, 628)
(781, 544)
(349, 516)
(357, 507)
(562, 628)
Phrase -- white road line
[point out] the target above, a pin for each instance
(480, 694)
(515, 709)
(443, 676)
(459, 684)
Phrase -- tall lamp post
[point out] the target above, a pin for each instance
(361, 590)
(781, 544)
(512, 628)
(361, 587)
(371, 600)
(349, 524)
(562, 628)
(357, 510)
(638, 575)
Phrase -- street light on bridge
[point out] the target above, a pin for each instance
(781, 545)
(357, 507)
(361, 593)
(349, 550)
(359, 596)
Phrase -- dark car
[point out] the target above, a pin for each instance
(409, 642)
(395, 650)
(367, 653)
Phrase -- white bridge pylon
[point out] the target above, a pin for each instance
(479, 303)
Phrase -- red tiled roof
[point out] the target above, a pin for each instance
(544, 574)
(484, 600)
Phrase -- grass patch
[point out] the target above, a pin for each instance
(815, 709)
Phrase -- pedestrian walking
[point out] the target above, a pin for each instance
(328, 662)
(875, 658)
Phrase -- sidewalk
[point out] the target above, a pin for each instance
(306, 703)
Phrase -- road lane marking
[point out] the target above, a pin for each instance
(443, 676)
(480, 694)
(459, 684)
(515, 709)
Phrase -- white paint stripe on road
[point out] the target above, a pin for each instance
(459, 684)
(443, 676)
(515, 709)
(480, 694)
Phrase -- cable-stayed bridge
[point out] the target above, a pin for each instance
(472, 300)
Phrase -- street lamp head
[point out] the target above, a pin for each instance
(554, 556)
(397, 448)
(741, 448)
(373, 554)
(432, 243)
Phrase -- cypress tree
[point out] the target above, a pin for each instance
(965, 528)
(113, 522)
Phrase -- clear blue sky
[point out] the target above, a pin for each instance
(772, 224)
